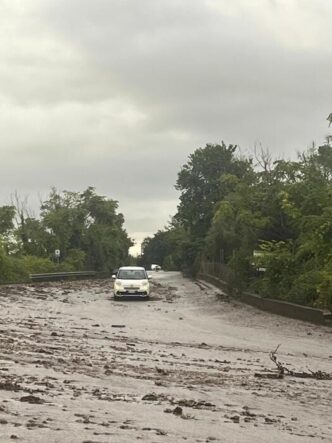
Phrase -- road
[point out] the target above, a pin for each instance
(77, 366)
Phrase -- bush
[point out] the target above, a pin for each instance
(12, 270)
(75, 260)
(304, 289)
(18, 269)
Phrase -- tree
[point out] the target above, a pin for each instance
(200, 184)
(32, 238)
(166, 247)
(7, 214)
(88, 222)
(86, 227)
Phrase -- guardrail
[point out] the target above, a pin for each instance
(62, 275)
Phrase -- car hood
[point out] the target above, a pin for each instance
(131, 282)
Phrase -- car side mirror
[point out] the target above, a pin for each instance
(113, 276)
(149, 277)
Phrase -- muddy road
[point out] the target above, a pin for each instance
(76, 366)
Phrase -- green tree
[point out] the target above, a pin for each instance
(7, 214)
(87, 222)
(201, 187)
(166, 247)
(36, 238)
(202, 184)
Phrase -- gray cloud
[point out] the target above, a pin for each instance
(117, 93)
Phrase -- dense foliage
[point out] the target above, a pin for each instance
(85, 227)
(269, 225)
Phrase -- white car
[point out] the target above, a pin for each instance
(131, 281)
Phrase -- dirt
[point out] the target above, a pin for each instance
(77, 366)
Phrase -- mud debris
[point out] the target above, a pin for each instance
(32, 399)
(76, 366)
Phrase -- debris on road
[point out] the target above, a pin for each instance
(76, 371)
(32, 399)
(283, 370)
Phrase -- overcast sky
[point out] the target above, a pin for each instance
(117, 93)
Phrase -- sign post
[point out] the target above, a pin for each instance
(57, 255)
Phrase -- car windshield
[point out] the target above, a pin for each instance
(131, 274)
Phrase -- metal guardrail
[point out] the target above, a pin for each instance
(62, 275)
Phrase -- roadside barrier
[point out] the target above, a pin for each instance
(63, 275)
(279, 307)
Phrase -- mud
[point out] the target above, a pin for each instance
(77, 366)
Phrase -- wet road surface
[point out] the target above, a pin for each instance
(77, 366)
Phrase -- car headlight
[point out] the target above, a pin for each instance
(145, 283)
(117, 285)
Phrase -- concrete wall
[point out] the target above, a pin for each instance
(275, 306)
